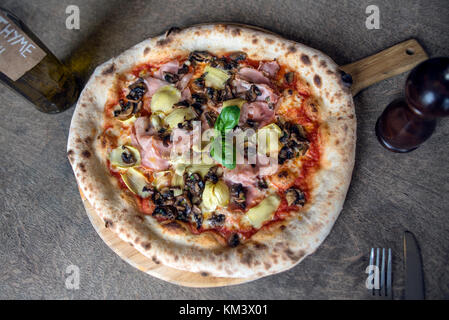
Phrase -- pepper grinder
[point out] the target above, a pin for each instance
(407, 123)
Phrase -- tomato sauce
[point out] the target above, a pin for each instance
(309, 163)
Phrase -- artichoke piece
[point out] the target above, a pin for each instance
(178, 116)
(137, 182)
(215, 78)
(271, 133)
(215, 195)
(164, 99)
(234, 102)
(129, 121)
(125, 157)
(162, 179)
(156, 120)
(178, 181)
(263, 211)
(202, 169)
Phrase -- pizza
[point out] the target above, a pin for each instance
(218, 149)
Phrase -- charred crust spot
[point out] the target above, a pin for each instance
(155, 260)
(82, 167)
(137, 240)
(269, 41)
(323, 64)
(172, 30)
(260, 246)
(204, 274)
(83, 105)
(146, 51)
(164, 42)
(236, 32)
(282, 227)
(108, 223)
(292, 256)
(247, 259)
(337, 142)
(305, 59)
(255, 41)
(146, 246)
(317, 80)
(109, 70)
(88, 140)
(86, 154)
(292, 49)
(173, 226)
(70, 153)
(267, 265)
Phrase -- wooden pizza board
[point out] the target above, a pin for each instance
(383, 65)
(145, 264)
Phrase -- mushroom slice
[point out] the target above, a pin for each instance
(200, 56)
(295, 197)
(137, 183)
(123, 111)
(125, 157)
(238, 56)
(136, 91)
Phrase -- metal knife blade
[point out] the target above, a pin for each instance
(414, 277)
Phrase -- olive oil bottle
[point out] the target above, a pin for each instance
(28, 67)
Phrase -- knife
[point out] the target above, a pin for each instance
(414, 278)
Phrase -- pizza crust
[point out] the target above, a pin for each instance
(273, 249)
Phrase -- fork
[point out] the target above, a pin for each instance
(384, 288)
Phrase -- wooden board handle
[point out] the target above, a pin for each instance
(385, 64)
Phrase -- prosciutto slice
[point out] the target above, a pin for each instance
(258, 112)
(246, 175)
(153, 84)
(171, 67)
(270, 68)
(267, 94)
(253, 75)
(184, 82)
(153, 151)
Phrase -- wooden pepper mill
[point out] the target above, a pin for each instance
(405, 124)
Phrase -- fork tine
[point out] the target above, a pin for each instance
(371, 263)
(389, 271)
(382, 289)
(378, 268)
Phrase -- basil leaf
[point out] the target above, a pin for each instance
(227, 120)
(224, 153)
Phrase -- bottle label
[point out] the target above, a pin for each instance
(18, 53)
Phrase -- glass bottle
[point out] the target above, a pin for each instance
(29, 67)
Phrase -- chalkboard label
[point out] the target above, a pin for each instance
(18, 53)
